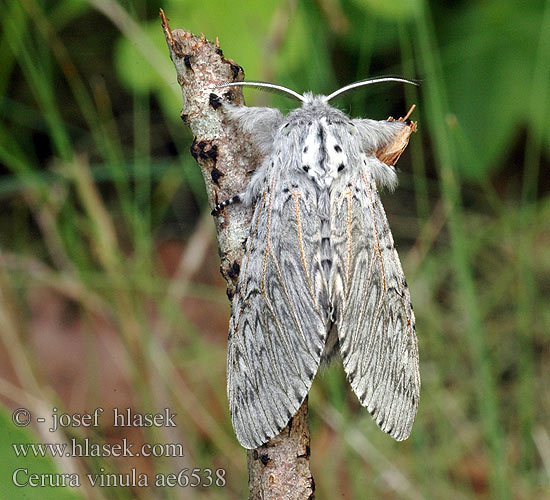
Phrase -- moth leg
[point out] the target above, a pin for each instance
(231, 201)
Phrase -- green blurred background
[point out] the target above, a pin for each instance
(110, 294)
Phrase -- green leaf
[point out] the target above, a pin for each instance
(487, 64)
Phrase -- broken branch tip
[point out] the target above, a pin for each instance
(166, 28)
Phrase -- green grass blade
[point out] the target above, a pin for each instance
(487, 400)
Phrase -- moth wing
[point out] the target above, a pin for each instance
(374, 315)
(277, 330)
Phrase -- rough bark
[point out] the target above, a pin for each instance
(280, 468)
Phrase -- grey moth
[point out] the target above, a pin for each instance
(321, 274)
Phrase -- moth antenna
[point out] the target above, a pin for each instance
(369, 81)
(270, 87)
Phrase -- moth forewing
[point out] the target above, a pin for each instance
(376, 324)
(320, 271)
(277, 333)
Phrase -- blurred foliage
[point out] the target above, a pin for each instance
(488, 54)
(109, 290)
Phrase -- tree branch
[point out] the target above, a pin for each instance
(280, 468)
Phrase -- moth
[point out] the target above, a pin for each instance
(321, 274)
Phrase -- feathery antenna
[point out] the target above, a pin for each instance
(267, 86)
(369, 81)
(272, 87)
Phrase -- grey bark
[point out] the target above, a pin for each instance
(280, 468)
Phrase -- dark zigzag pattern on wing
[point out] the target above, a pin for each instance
(378, 344)
(276, 337)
